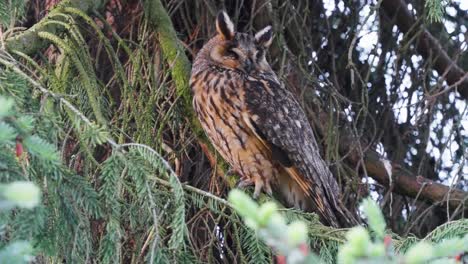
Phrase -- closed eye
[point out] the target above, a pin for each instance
(231, 54)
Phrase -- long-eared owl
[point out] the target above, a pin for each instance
(257, 125)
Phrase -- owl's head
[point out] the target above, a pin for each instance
(240, 51)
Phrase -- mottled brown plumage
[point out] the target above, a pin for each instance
(257, 125)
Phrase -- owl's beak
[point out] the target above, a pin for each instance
(248, 65)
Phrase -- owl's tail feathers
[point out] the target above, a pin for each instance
(332, 211)
(345, 217)
(302, 194)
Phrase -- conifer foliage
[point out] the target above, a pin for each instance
(101, 160)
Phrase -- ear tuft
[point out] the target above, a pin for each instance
(224, 26)
(264, 37)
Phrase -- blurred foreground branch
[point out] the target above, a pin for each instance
(363, 245)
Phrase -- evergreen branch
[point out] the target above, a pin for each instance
(10, 11)
(107, 44)
(9, 62)
(435, 10)
(175, 56)
(89, 85)
(110, 192)
(172, 49)
(41, 148)
(29, 41)
(7, 132)
(194, 190)
(178, 222)
(159, 157)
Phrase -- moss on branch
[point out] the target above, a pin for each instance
(174, 54)
(29, 41)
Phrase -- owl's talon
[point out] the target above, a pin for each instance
(230, 172)
(267, 188)
(258, 184)
(243, 183)
(258, 189)
(261, 185)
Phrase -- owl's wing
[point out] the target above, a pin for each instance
(278, 120)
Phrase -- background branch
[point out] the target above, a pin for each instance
(404, 181)
(427, 45)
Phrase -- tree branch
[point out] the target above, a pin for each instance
(29, 41)
(428, 46)
(175, 56)
(172, 49)
(403, 181)
(408, 184)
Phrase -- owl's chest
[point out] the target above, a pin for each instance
(220, 105)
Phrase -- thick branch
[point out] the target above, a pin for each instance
(175, 56)
(428, 46)
(403, 181)
(29, 41)
(173, 51)
(408, 184)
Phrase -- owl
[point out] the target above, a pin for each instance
(257, 125)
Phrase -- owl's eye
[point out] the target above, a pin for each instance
(231, 54)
